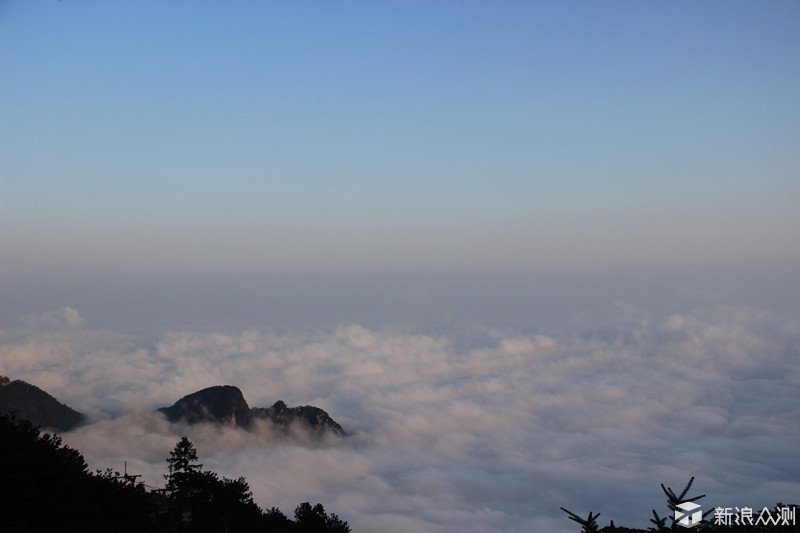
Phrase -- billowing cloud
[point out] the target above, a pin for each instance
(66, 317)
(478, 430)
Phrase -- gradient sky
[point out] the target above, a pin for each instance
(532, 254)
(161, 147)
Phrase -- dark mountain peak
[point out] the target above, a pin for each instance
(222, 404)
(29, 402)
(225, 404)
(314, 419)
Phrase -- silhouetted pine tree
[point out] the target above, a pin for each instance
(780, 514)
(45, 486)
(316, 520)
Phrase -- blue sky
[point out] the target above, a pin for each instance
(384, 138)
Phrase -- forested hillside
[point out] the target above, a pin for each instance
(46, 486)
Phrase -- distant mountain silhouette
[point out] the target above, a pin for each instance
(31, 403)
(315, 419)
(225, 404)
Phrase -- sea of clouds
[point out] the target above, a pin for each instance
(474, 430)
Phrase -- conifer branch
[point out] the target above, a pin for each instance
(589, 524)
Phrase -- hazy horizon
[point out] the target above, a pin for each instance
(532, 254)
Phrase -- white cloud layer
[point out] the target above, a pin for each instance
(478, 431)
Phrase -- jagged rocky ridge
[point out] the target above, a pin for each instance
(29, 402)
(225, 404)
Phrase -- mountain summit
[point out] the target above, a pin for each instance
(314, 419)
(225, 405)
(29, 402)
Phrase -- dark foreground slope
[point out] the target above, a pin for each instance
(45, 486)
